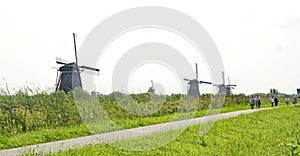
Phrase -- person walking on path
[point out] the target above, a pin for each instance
(258, 102)
(272, 101)
(295, 101)
(252, 102)
(276, 101)
(287, 101)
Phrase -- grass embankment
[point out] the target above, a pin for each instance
(269, 132)
(28, 117)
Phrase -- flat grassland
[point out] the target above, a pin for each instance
(28, 117)
(268, 132)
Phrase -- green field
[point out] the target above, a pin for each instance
(31, 117)
(268, 132)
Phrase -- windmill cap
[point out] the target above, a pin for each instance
(68, 67)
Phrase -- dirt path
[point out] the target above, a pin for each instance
(119, 135)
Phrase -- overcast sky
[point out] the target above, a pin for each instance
(258, 41)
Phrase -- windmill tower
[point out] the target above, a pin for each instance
(151, 89)
(223, 88)
(229, 87)
(193, 85)
(68, 75)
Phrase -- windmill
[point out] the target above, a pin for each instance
(151, 89)
(223, 88)
(229, 87)
(68, 75)
(193, 85)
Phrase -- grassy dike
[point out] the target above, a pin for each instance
(43, 135)
(268, 132)
(31, 117)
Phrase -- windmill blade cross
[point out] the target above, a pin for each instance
(196, 71)
(89, 68)
(223, 77)
(152, 83)
(231, 85)
(58, 62)
(205, 82)
(75, 49)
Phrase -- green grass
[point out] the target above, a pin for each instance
(50, 134)
(42, 136)
(268, 132)
(31, 117)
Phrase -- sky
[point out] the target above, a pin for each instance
(257, 40)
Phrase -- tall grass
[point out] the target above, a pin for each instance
(30, 109)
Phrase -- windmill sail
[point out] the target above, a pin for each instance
(76, 58)
(196, 71)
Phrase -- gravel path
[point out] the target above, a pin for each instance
(119, 135)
